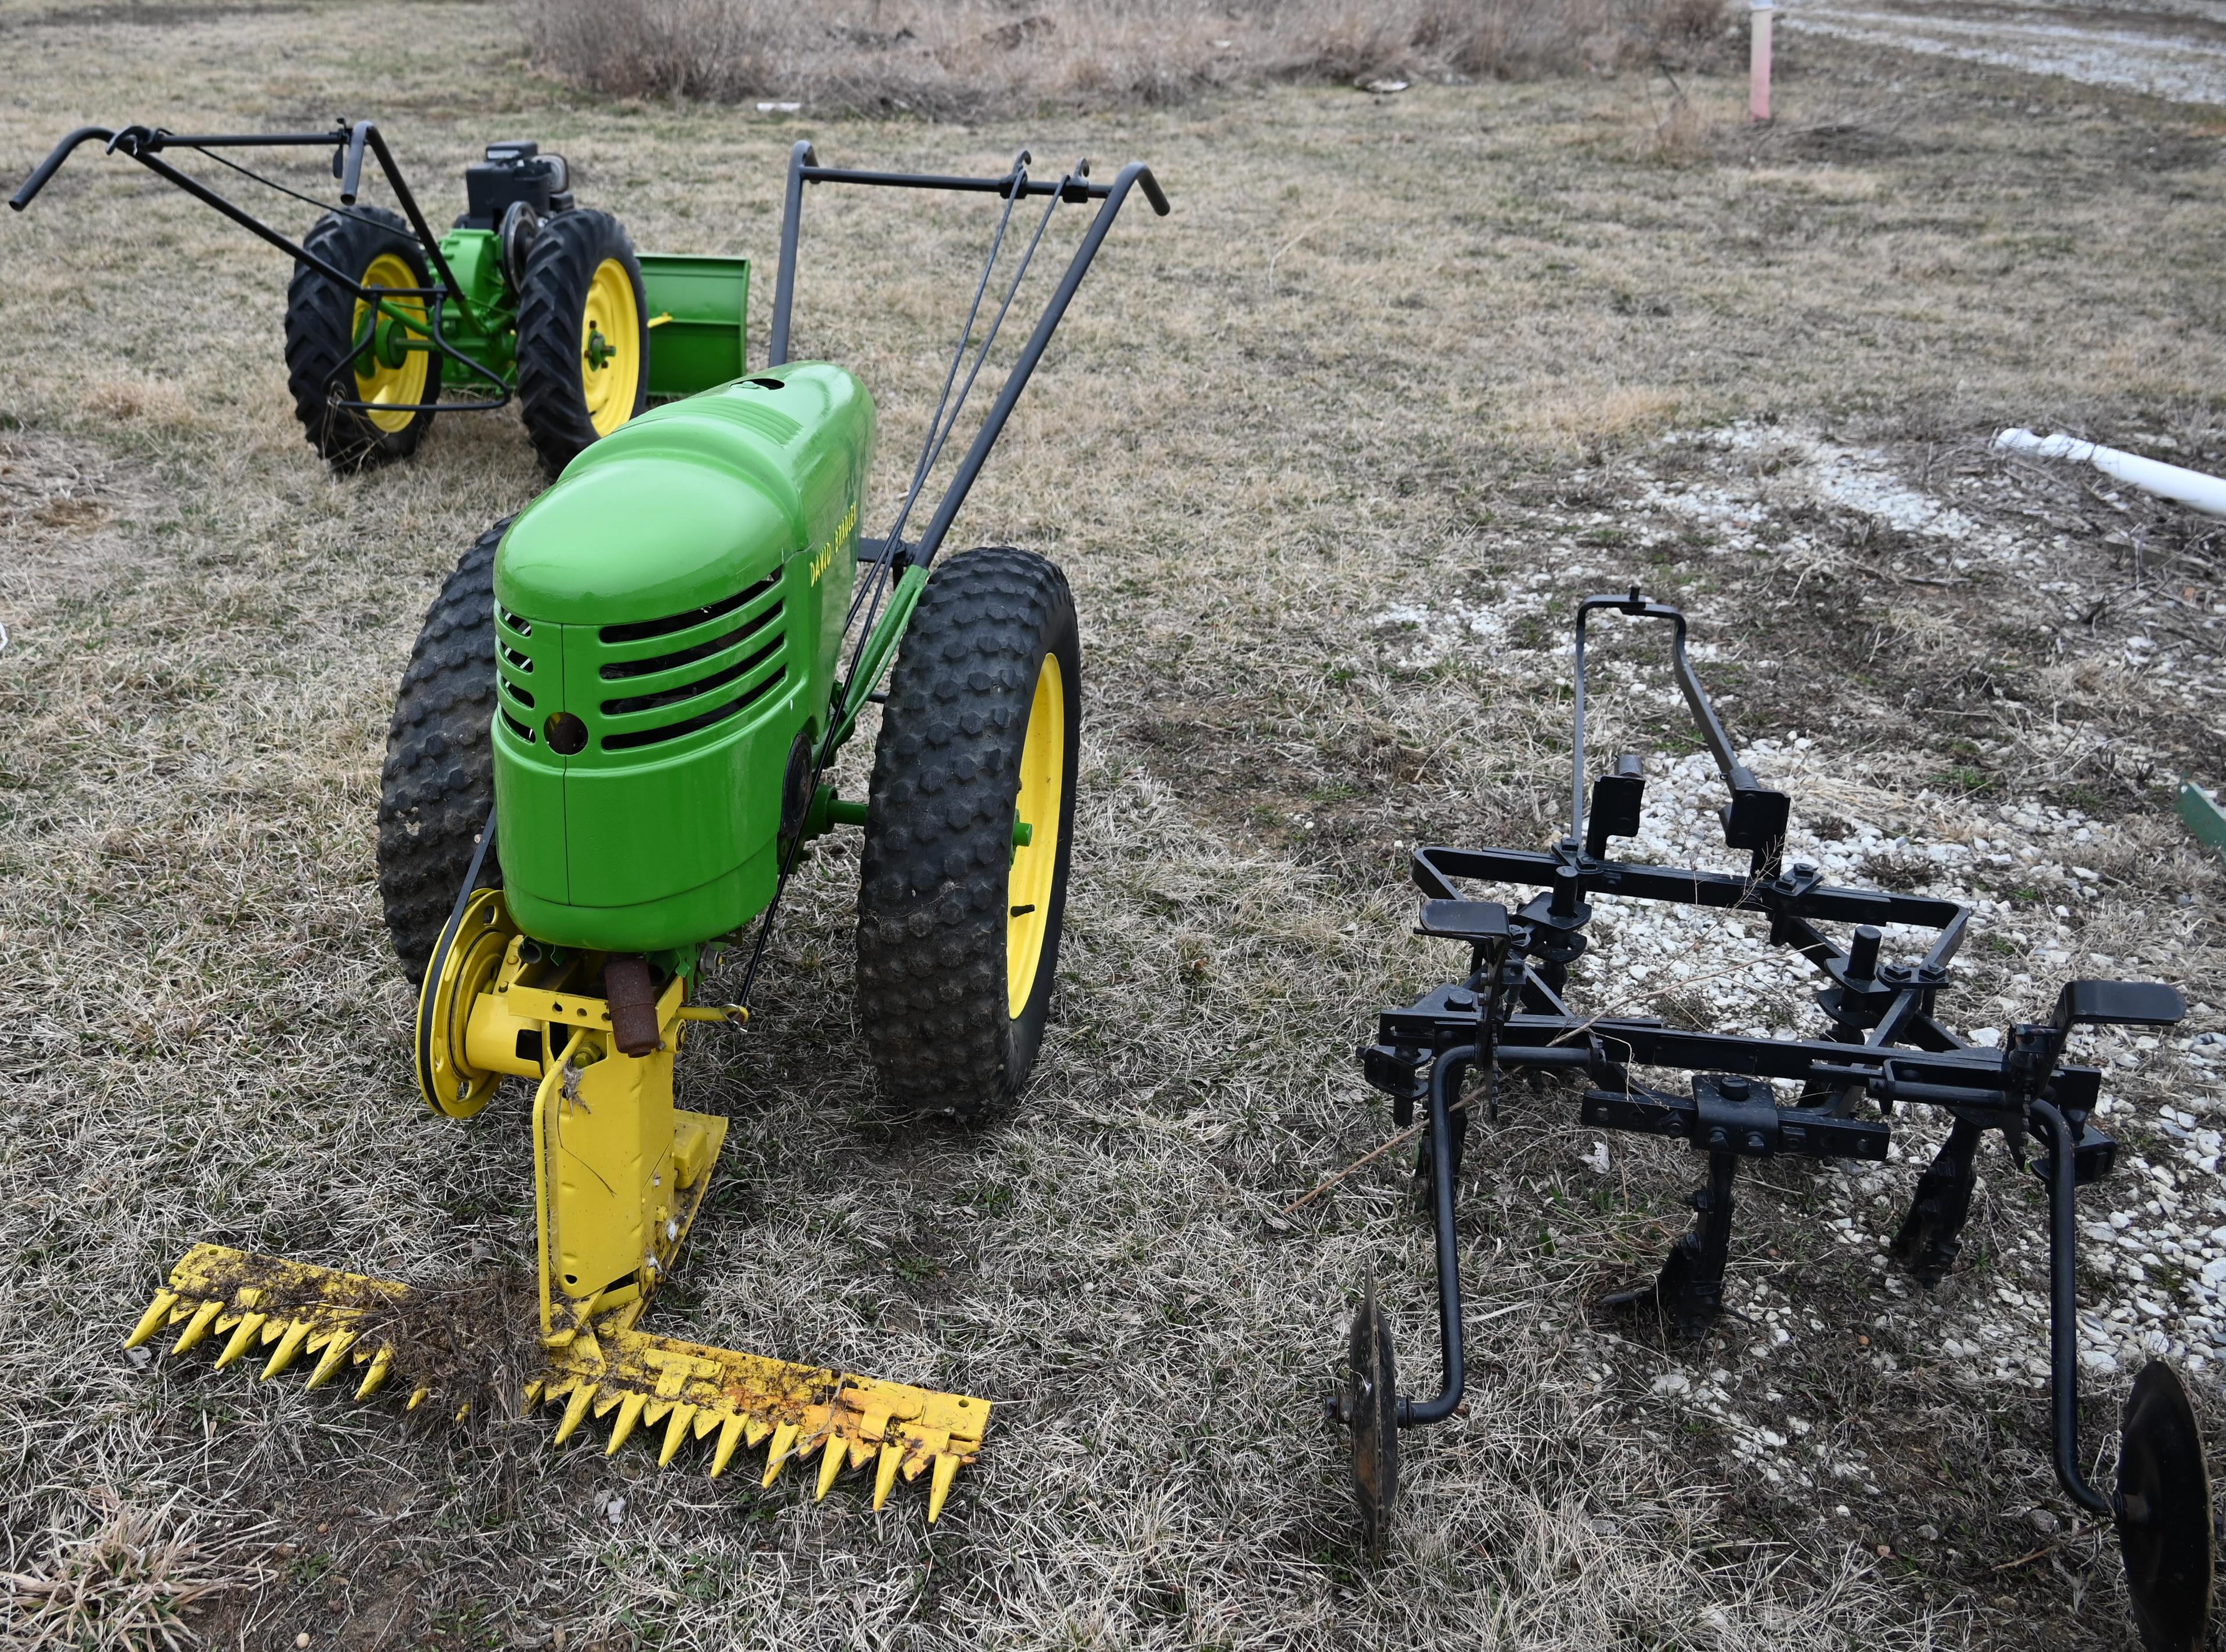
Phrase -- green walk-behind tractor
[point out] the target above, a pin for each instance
(639, 682)
(529, 295)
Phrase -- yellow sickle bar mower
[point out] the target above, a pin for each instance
(642, 678)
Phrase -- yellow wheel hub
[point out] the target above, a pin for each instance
(405, 383)
(610, 348)
(462, 967)
(1043, 772)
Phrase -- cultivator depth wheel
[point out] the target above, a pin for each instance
(1372, 1411)
(2164, 1523)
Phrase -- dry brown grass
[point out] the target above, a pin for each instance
(966, 58)
(122, 1579)
(1486, 301)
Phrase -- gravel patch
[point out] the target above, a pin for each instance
(2178, 53)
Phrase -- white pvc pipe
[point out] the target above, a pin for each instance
(2190, 487)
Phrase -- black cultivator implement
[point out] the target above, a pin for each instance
(1883, 1046)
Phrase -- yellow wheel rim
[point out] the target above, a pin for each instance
(1043, 773)
(610, 348)
(404, 384)
(446, 1077)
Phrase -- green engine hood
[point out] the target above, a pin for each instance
(668, 616)
(681, 506)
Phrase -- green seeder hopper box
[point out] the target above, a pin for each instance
(699, 314)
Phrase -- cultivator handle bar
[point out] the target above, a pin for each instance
(348, 143)
(804, 167)
(899, 570)
(1756, 818)
(139, 141)
(144, 143)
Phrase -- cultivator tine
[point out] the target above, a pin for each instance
(675, 1432)
(157, 1316)
(382, 1363)
(730, 1434)
(336, 1350)
(734, 1400)
(243, 1338)
(575, 1413)
(198, 1326)
(629, 1414)
(288, 1349)
(784, 1438)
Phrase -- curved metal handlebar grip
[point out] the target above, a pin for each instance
(1152, 193)
(52, 164)
(352, 171)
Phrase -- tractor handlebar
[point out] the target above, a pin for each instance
(142, 143)
(145, 144)
(52, 164)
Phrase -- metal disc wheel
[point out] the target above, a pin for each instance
(2164, 1528)
(610, 369)
(1038, 816)
(1371, 1411)
(389, 371)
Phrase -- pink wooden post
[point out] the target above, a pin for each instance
(1758, 94)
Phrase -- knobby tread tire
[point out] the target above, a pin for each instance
(552, 300)
(321, 326)
(933, 1003)
(438, 781)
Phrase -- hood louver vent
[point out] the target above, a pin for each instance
(691, 672)
(648, 682)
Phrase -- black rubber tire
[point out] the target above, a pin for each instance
(552, 302)
(438, 781)
(932, 995)
(321, 326)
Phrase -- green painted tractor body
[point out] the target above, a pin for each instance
(606, 758)
(668, 619)
(622, 707)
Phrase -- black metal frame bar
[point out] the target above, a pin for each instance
(350, 143)
(804, 167)
(894, 554)
(1884, 1046)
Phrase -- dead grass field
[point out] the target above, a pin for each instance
(1327, 454)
